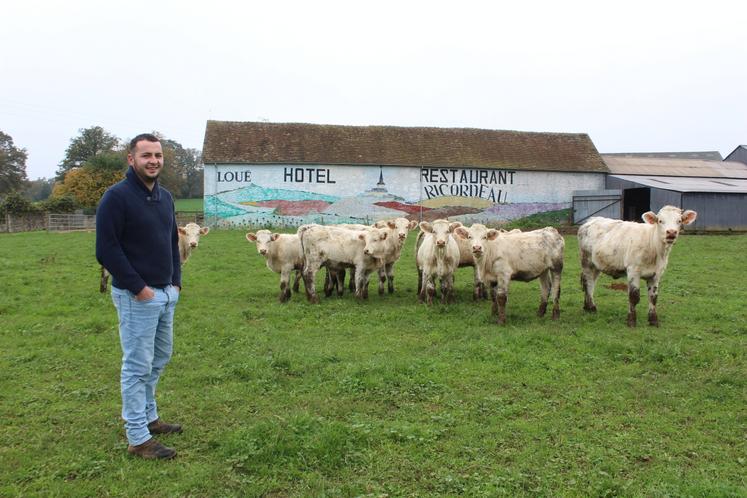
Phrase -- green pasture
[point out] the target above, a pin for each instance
(188, 204)
(381, 398)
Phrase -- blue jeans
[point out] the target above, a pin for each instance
(146, 333)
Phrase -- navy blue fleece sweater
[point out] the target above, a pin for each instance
(136, 236)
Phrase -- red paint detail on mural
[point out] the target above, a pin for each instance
(294, 208)
(407, 208)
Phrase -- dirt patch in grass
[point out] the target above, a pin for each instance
(617, 286)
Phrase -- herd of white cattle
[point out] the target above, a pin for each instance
(616, 248)
(613, 247)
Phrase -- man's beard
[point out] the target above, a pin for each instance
(145, 176)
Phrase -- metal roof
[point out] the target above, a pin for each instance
(689, 184)
(649, 166)
(738, 154)
(708, 155)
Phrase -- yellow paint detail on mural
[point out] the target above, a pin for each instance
(473, 202)
(248, 203)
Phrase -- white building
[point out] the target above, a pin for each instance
(290, 173)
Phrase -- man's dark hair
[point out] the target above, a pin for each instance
(143, 136)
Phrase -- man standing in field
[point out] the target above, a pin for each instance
(137, 241)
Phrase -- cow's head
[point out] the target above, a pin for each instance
(441, 231)
(191, 233)
(477, 234)
(375, 242)
(669, 221)
(400, 226)
(263, 239)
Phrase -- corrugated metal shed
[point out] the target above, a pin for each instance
(717, 212)
(721, 203)
(688, 184)
(621, 165)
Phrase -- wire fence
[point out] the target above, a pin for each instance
(184, 217)
(66, 222)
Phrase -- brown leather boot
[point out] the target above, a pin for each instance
(151, 450)
(159, 427)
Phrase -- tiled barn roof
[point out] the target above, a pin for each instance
(229, 142)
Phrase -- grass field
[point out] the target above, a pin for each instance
(188, 204)
(383, 398)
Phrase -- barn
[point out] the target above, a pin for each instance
(287, 174)
(637, 183)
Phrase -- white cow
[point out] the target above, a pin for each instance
(334, 273)
(283, 255)
(466, 258)
(399, 228)
(334, 276)
(336, 248)
(504, 256)
(638, 250)
(437, 256)
(189, 238)
(352, 226)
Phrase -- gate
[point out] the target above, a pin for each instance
(65, 222)
(588, 203)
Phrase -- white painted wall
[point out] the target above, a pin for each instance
(288, 194)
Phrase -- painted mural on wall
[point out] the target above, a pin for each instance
(284, 195)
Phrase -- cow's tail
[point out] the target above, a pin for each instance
(418, 243)
(301, 231)
(104, 280)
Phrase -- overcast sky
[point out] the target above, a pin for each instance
(637, 76)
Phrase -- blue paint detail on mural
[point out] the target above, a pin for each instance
(256, 193)
(287, 195)
(214, 206)
(228, 205)
(273, 220)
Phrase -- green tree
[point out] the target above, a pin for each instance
(193, 173)
(63, 204)
(87, 183)
(12, 165)
(15, 203)
(171, 176)
(115, 161)
(39, 189)
(91, 142)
